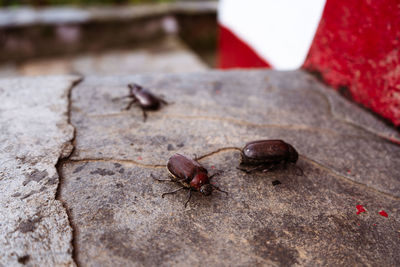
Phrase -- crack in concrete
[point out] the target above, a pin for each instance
(387, 138)
(218, 151)
(111, 160)
(64, 157)
(144, 165)
(224, 149)
(298, 127)
(345, 178)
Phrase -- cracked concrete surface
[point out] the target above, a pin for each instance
(219, 109)
(115, 207)
(34, 227)
(347, 157)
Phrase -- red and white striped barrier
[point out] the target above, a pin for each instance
(354, 45)
(276, 33)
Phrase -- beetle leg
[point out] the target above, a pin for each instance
(301, 170)
(270, 168)
(162, 101)
(243, 169)
(182, 180)
(190, 195)
(120, 97)
(161, 180)
(258, 168)
(219, 189)
(215, 174)
(144, 115)
(133, 101)
(172, 192)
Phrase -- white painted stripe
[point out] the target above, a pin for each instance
(280, 31)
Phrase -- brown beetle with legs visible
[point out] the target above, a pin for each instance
(190, 175)
(144, 99)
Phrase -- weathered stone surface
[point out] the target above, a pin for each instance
(34, 133)
(219, 109)
(121, 219)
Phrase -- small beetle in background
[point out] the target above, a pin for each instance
(190, 175)
(144, 99)
(265, 155)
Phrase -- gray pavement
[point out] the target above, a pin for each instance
(349, 158)
(34, 134)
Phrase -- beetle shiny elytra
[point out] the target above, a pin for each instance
(266, 155)
(190, 175)
(144, 99)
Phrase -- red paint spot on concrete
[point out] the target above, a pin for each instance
(374, 224)
(383, 213)
(360, 209)
(212, 167)
(235, 53)
(139, 158)
(348, 171)
(357, 49)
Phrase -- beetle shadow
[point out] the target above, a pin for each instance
(276, 175)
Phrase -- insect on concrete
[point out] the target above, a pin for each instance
(190, 175)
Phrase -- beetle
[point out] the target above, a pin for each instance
(191, 175)
(144, 99)
(266, 155)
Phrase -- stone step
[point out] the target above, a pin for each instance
(342, 210)
(169, 55)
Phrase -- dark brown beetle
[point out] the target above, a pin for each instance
(190, 175)
(144, 99)
(266, 155)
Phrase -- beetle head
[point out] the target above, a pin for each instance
(134, 88)
(243, 158)
(293, 155)
(206, 189)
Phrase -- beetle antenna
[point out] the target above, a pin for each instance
(132, 85)
(219, 189)
(190, 195)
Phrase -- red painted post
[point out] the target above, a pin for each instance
(357, 46)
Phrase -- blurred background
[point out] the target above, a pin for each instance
(353, 46)
(114, 37)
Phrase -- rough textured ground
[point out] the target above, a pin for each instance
(34, 134)
(347, 160)
(120, 219)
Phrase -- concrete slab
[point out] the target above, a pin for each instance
(224, 109)
(34, 134)
(311, 219)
